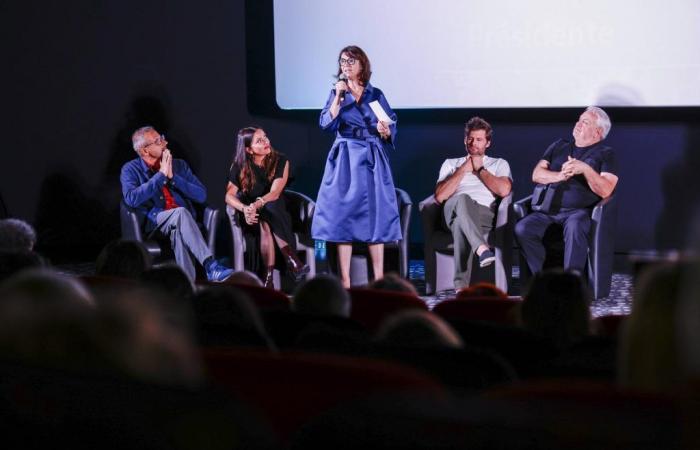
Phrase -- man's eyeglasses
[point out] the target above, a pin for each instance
(159, 140)
(262, 140)
(347, 62)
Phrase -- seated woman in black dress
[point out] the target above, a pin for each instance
(257, 179)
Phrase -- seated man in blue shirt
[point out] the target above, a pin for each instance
(583, 173)
(164, 188)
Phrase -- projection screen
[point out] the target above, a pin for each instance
(495, 54)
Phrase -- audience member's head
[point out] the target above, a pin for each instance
(481, 289)
(226, 316)
(170, 279)
(245, 277)
(140, 337)
(322, 295)
(124, 259)
(649, 345)
(16, 235)
(52, 320)
(43, 285)
(417, 328)
(14, 262)
(393, 282)
(557, 306)
(45, 319)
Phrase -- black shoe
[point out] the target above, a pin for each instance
(269, 278)
(486, 258)
(296, 269)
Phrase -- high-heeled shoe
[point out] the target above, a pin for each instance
(269, 277)
(296, 268)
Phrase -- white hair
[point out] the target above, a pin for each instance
(603, 121)
(137, 139)
(16, 235)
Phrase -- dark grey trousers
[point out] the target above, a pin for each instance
(185, 238)
(470, 223)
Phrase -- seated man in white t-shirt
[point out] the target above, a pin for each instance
(467, 187)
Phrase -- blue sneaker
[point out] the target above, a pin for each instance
(218, 273)
(486, 258)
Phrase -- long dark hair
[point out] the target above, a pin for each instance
(244, 161)
(356, 52)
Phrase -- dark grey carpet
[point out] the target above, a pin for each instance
(618, 302)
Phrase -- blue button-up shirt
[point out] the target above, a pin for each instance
(142, 188)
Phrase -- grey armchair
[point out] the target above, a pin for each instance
(301, 209)
(133, 221)
(601, 245)
(439, 260)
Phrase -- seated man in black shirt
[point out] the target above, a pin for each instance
(583, 173)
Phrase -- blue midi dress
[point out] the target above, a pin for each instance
(357, 201)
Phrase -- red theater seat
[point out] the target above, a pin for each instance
(489, 309)
(264, 298)
(292, 388)
(610, 325)
(371, 306)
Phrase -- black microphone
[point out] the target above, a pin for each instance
(342, 77)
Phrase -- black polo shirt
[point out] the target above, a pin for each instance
(575, 192)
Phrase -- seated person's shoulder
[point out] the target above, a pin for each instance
(607, 150)
(131, 166)
(455, 161)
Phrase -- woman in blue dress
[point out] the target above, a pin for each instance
(357, 201)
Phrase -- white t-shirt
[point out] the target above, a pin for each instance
(471, 184)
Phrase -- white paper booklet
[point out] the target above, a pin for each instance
(380, 113)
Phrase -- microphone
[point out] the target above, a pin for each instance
(342, 77)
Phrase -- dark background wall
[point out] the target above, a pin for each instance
(77, 79)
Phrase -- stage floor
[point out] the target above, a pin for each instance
(619, 301)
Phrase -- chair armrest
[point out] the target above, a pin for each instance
(237, 237)
(503, 213)
(210, 221)
(602, 244)
(301, 208)
(130, 223)
(430, 211)
(601, 208)
(405, 206)
(604, 222)
(522, 207)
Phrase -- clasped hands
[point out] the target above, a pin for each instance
(572, 167)
(166, 163)
(250, 212)
(473, 163)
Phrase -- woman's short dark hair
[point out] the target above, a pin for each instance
(356, 52)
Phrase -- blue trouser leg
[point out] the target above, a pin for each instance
(577, 224)
(577, 227)
(529, 232)
(185, 238)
